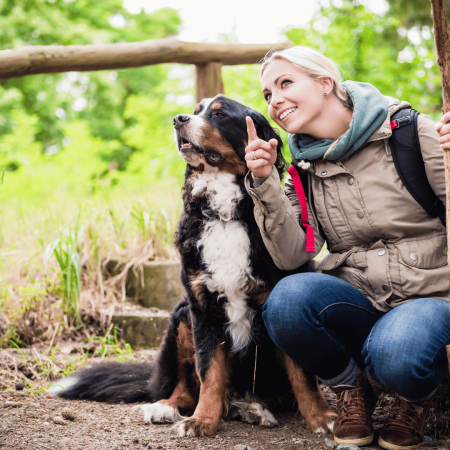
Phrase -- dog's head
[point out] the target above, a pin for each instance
(216, 135)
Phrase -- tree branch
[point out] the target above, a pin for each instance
(58, 58)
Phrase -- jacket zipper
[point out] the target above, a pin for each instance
(326, 209)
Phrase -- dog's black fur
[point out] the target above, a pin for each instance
(199, 368)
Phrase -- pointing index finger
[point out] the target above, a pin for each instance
(251, 130)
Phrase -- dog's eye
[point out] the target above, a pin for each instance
(219, 114)
(213, 157)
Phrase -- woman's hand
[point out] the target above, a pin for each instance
(260, 155)
(443, 128)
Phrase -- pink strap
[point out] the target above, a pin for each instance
(310, 244)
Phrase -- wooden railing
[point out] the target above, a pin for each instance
(208, 59)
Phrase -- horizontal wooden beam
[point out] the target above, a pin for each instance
(59, 58)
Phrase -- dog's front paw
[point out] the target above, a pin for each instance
(160, 413)
(322, 423)
(196, 426)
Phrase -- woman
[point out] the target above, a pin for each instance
(380, 302)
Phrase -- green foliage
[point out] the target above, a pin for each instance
(111, 345)
(377, 50)
(95, 101)
(414, 13)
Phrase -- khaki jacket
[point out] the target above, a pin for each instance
(380, 239)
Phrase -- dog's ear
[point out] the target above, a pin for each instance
(265, 131)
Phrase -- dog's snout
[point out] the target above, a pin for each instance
(179, 120)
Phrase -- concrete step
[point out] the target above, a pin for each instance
(142, 328)
(155, 284)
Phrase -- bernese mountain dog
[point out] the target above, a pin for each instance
(216, 360)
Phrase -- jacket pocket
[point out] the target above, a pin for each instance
(423, 265)
(333, 260)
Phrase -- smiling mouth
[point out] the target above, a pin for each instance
(287, 112)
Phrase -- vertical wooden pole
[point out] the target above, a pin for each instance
(442, 41)
(208, 80)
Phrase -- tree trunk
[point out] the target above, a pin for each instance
(59, 58)
(442, 40)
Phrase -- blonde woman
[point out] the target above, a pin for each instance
(379, 302)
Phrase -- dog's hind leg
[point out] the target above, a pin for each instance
(311, 403)
(183, 396)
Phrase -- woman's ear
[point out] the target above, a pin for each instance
(326, 84)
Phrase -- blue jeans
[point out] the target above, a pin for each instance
(324, 324)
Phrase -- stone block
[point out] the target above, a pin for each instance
(142, 328)
(155, 284)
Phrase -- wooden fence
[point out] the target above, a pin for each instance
(208, 59)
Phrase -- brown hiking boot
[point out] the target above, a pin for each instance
(355, 407)
(404, 427)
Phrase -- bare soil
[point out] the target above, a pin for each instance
(29, 420)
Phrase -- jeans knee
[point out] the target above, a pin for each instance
(389, 362)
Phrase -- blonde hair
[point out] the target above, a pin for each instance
(312, 63)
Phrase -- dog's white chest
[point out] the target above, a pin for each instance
(225, 250)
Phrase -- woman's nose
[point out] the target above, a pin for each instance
(277, 99)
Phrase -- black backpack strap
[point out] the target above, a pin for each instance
(408, 160)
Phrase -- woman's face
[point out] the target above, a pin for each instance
(295, 100)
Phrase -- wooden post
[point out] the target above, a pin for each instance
(442, 41)
(208, 80)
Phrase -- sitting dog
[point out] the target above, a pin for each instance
(216, 359)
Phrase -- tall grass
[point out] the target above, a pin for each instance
(65, 250)
(54, 258)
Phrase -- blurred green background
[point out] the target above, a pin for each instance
(67, 137)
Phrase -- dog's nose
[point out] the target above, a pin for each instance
(179, 120)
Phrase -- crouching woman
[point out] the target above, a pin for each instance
(380, 299)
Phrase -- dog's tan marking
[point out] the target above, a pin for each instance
(182, 397)
(199, 169)
(311, 403)
(216, 105)
(214, 140)
(213, 396)
(199, 289)
(258, 291)
(185, 344)
(197, 108)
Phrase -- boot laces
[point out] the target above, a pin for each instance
(352, 406)
(404, 416)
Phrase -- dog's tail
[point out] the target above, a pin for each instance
(114, 382)
(110, 382)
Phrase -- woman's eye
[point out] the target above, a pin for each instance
(285, 83)
(267, 97)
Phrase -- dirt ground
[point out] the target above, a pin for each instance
(35, 421)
